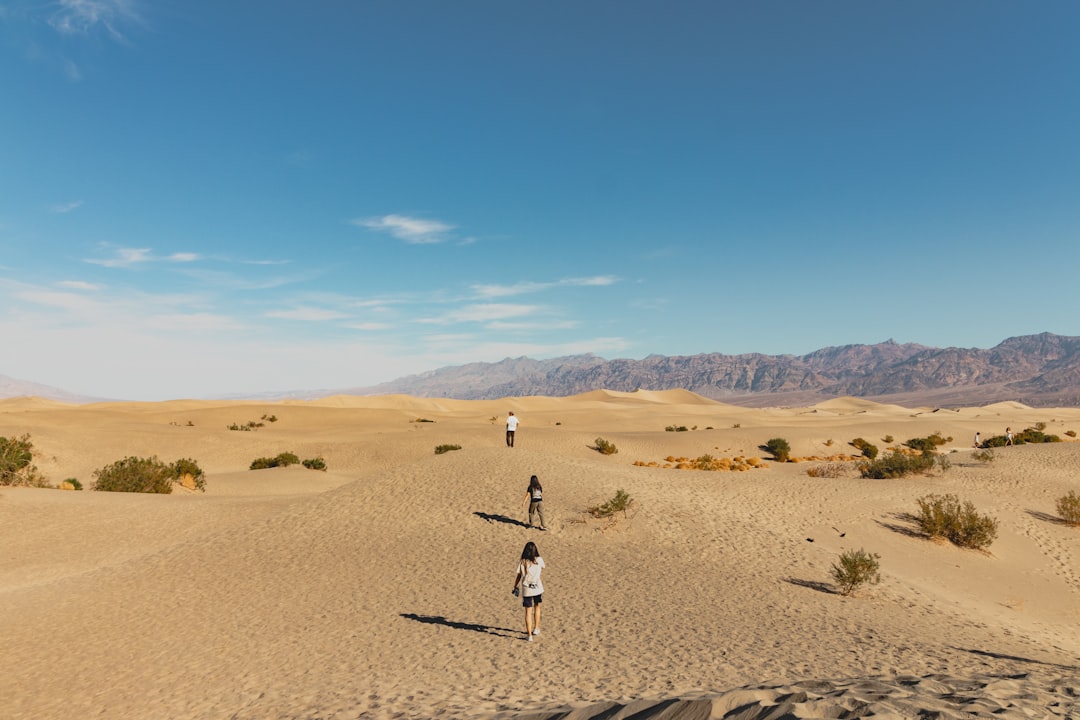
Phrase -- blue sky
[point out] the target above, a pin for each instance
(206, 198)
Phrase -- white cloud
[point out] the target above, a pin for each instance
(78, 285)
(521, 288)
(306, 314)
(183, 257)
(482, 313)
(64, 208)
(514, 326)
(81, 17)
(412, 230)
(124, 257)
(368, 326)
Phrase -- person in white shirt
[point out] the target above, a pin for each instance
(527, 582)
(511, 428)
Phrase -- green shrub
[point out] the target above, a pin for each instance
(869, 450)
(620, 502)
(315, 464)
(887, 439)
(187, 466)
(440, 449)
(779, 448)
(1029, 435)
(984, 456)
(927, 444)
(136, 474)
(1068, 508)
(896, 464)
(16, 458)
(74, 482)
(945, 517)
(604, 447)
(855, 569)
(1071, 433)
(284, 459)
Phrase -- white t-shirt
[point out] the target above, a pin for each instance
(511, 423)
(530, 577)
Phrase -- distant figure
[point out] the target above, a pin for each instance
(534, 495)
(511, 428)
(531, 589)
(1008, 436)
(978, 440)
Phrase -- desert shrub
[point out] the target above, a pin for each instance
(270, 418)
(677, 428)
(620, 502)
(440, 449)
(248, 426)
(1029, 435)
(927, 444)
(136, 474)
(1071, 433)
(315, 464)
(284, 459)
(16, 462)
(829, 470)
(984, 456)
(887, 439)
(855, 569)
(895, 464)
(868, 449)
(1068, 508)
(75, 484)
(945, 517)
(737, 425)
(187, 466)
(423, 420)
(779, 448)
(604, 447)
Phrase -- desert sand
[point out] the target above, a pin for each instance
(381, 587)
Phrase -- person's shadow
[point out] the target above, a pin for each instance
(500, 518)
(458, 625)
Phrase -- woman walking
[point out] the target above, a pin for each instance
(527, 582)
(534, 495)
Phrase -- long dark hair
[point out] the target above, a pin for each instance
(534, 484)
(530, 553)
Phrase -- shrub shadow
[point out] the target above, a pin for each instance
(813, 585)
(1047, 517)
(500, 518)
(458, 625)
(906, 530)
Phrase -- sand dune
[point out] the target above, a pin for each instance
(380, 589)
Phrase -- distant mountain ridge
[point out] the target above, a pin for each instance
(1037, 370)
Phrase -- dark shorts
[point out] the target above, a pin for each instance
(531, 600)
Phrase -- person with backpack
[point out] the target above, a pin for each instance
(534, 495)
(527, 584)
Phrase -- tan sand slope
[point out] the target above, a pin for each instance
(380, 589)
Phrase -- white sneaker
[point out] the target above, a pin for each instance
(536, 631)
(529, 638)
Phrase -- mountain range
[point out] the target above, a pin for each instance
(1038, 370)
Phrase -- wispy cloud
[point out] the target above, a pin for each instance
(78, 285)
(482, 313)
(521, 288)
(127, 257)
(123, 257)
(415, 231)
(64, 208)
(82, 17)
(368, 326)
(307, 314)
